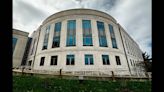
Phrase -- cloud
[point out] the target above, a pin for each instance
(134, 16)
(26, 16)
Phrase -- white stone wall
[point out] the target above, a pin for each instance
(19, 50)
(134, 54)
(79, 50)
(34, 36)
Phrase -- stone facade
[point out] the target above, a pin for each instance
(19, 50)
(125, 54)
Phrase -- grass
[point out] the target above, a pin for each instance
(38, 84)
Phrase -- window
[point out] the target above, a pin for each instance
(87, 34)
(131, 62)
(45, 43)
(14, 43)
(42, 61)
(118, 60)
(101, 34)
(71, 33)
(29, 63)
(56, 38)
(105, 59)
(54, 60)
(114, 44)
(33, 45)
(70, 60)
(88, 59)
(134, 63)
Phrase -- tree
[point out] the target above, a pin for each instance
(147, 62)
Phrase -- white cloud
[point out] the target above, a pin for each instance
(134, 16)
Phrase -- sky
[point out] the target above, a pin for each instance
(135, 16)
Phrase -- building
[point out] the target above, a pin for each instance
(83, 42)
(19, 39)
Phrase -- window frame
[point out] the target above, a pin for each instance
(70, 59)
(71, 27)
(102, 34)
(29, 63)
(56, 38)
(113, 38)
(54, 60)
(42, 60)
(90, 60)
(46, 37)
(118, 61)
(107, 61)
(85, 24)
(14, 43)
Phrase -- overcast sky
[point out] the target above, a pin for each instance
(133, 15)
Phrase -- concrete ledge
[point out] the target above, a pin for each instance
(72, 76)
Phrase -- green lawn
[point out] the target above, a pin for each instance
(38, 84)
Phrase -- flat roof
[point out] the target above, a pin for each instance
(19, 32)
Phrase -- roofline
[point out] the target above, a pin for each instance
(20, 30)
(45, 21)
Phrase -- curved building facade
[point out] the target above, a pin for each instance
(84, 42)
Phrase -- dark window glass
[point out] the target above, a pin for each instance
(70, 60)
(134, 63)
(45, 43)
(54, 60)
(114, 44)
(131, 62)
(42, 61)
(89, 59)
(118, 60)
(29, 63)
(56, 38)
(71, 33)
(101, 34)
(14, 43)
(87, 34)
(33, 45)
(105, 59)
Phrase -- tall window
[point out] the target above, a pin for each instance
(105, 59)
(33, 45)
(70, 60)
(131, 62)
(56, 38)
(101, 34)
(87, 33)
(114, 44)
(118, 60)
(88, 59)
(54, 60)
(45, 43)
(14, 43)
(42, 61)
(71, 33)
